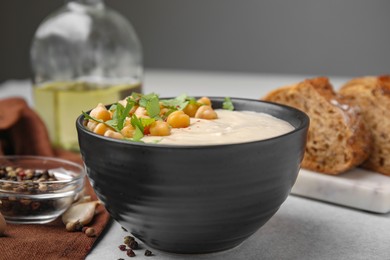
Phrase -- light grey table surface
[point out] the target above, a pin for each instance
(301, 229)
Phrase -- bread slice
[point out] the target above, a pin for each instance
(337, 138)
(372, 94)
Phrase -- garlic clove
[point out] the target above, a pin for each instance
(3, 225)
(82, 212)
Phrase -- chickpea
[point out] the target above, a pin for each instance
(128, 131)
(161, 105)
(100, 112)
(113, 134)
(191, 109)
(100, 129)
(205, 101)
(127, 121)
(91, 125)
(178, 119)
(111, 113)
(123, 102)
(141, 112)
(206, 112)
(160, 128)
(163, 111)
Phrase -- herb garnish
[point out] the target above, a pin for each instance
(142, 122)
(86, 116)
(138, 134)
(178, 103)
(228, 104)
(120, 114)
(151, 103)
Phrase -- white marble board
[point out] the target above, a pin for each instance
(357, 188)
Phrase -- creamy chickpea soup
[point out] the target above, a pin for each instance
(229, 127)
(181, 121)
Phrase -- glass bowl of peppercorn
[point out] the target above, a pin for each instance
(36, 189)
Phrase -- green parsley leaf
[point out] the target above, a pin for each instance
(178, 103)
(136, 122)
(170, 111)
(147, 121)
(86, 116)
(152, 104)
(193, 101)
(132, 101)
(125, 113)
(228, 104)
(113, 123)
(136, 96)
(119, 116)
(138, 134)
(112, 107)
(139, 128)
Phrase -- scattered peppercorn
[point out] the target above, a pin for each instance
(130, 253)
(35, 205)
(133, 244)
(122, 247)
(128, 239)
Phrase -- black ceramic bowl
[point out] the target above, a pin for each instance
(196, 199)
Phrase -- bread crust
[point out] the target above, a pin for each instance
(372, 94)
(337, 138)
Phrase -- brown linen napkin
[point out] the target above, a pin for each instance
(22, 132)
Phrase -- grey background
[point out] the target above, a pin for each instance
(341, 38)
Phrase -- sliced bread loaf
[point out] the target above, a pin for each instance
(372, 94)
(337, 139)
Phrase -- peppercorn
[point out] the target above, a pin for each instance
(148, 252)
(133, 244)
(35, 205)
(130, 253)
(127, 239)
(122, 247)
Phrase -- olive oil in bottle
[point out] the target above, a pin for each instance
(81, 55)
(60, 103)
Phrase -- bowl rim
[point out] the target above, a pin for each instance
(80, 175)
(304, 118)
